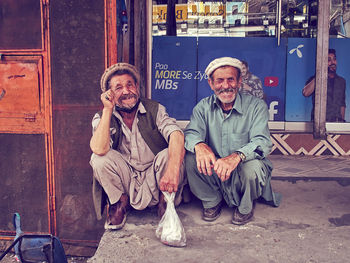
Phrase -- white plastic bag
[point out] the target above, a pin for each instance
(170, 229)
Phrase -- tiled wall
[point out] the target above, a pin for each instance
(305, 144)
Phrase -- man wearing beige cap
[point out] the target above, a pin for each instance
(227, 141)
(137, 148)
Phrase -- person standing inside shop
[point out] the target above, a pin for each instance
(336, 86)
(251, 84)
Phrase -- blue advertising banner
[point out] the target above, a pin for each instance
(174, 63)
(301, 64)
(266, 60)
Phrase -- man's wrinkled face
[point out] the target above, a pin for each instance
(126, 92)
(332, 63)
(225, 82)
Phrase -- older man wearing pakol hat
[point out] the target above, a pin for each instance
(227, 143)
(138, 150)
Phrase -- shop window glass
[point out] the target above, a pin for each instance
(249, 18)
(339, 22)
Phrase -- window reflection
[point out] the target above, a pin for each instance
(238, 18)
(339, 25)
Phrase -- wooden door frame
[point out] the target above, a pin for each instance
(135, 41)
(47, 129)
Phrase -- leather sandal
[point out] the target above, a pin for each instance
(117, 214)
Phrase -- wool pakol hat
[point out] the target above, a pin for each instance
(118, 67)
(224, 61)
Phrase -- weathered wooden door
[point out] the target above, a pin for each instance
(26, 184)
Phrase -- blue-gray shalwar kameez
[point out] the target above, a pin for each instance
(244, 129)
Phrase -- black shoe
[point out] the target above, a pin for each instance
(241, 219)
(211, 214)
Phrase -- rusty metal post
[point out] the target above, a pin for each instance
(321, 69)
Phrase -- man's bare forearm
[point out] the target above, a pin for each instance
(100, 140)
(309, 88)
(170, 179)
(176, 150)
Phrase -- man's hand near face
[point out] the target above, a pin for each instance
(107, 99)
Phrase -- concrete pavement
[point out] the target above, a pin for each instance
(312, 223)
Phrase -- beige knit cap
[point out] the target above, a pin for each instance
(117, 67)
(224, 61)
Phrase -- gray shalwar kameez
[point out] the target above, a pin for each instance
(244, 129)
(134, 169)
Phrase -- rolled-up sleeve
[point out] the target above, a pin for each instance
(166, 125)
(95, 121)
